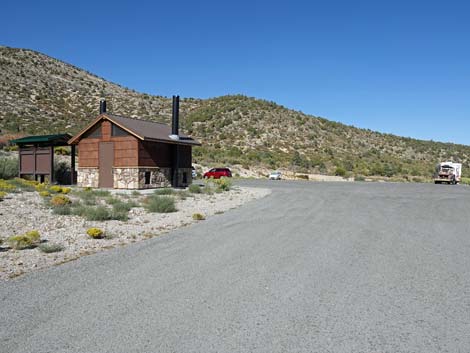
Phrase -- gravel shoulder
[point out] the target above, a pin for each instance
(25, 211)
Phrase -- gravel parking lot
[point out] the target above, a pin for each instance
(313, 267)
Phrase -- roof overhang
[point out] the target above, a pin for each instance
(45, 140)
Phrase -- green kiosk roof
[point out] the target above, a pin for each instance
(51, 140)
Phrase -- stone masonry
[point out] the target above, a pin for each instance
(88, 177)
(134, 178)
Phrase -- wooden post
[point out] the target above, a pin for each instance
(72, 166)
(34, 158)
(19, 161)
(51, 176)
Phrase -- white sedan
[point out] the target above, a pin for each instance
(275, 176)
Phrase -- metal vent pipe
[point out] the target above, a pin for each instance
(102, 106)
(175, 116)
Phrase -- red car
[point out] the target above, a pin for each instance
(218, 173)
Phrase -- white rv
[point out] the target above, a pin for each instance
(448, 172)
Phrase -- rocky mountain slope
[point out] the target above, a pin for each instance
(39, 94)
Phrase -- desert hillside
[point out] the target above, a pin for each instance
(39, 94)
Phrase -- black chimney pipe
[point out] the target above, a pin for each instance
(175, 116)
(102, 106)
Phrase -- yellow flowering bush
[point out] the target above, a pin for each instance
(60, 200)
(94, 233)
(198, 217)
(5, 186)
(24, 241)
(40, 187)
(55, 188)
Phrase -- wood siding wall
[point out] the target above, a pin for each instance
(185, 158)
(131, 152)
(156, 154)
(126, 151)
(88, 153)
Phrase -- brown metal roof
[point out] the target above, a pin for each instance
(142, 129)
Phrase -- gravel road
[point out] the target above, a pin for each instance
(313, 267)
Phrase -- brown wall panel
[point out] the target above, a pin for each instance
(43, 163)
(126, 151)
(88, 153)
(27, 163)
(185, 159)
(154, 154)
(106, 130)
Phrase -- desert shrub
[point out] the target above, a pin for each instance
(6, 186)
(8, 168)
(50, 247)
(89, 199)
(99, 213)
(198, 217)
(88, 196)
(223, 184)
(208, 189)
(23, 184)
(100, 193)
(24, 241)
(66, 190)
(195, 189)
(183, 195)
(19, 242)
(340, 171)
(359, 178)
(92, 193)
(78, 209)
(160, 204)
(44, 193)
(465, 181)
(34, 235)
(164, 191)
(62, 151)
(60, 200)
(40, 187)
(112, 200)
(95, 233)
(2, 195)
(62, 172)
(417, 180)
(63, 210)
(302, 176)
(55, 189)
(135, 193)
(119, 216)
(123, 206)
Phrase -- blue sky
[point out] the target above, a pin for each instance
(401, 67)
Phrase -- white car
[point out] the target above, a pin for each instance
(275, 176)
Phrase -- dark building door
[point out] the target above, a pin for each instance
(106, 155)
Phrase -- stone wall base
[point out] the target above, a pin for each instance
(185, 176)
(88, 177)
(135, 178)
(141, 178)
